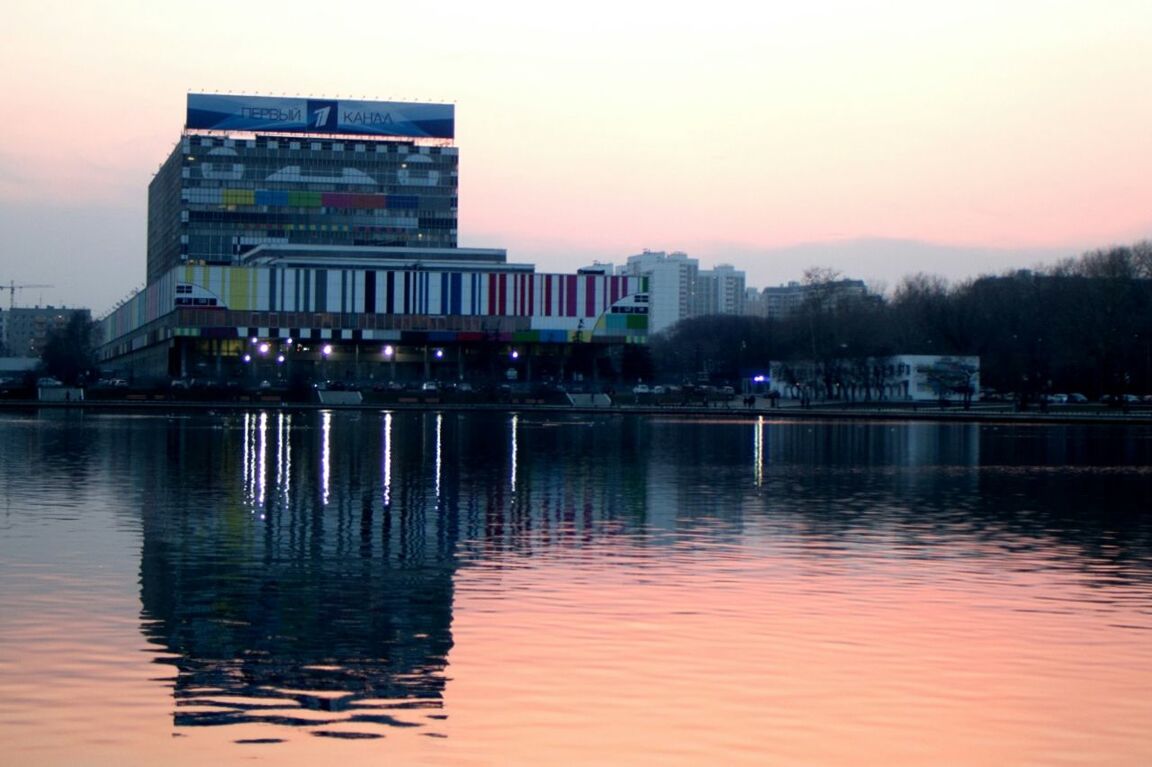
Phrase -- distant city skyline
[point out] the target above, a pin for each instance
(879, 141)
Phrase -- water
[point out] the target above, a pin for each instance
(422, 588)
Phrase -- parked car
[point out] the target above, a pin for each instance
(48, 381)
(641, 389)
(1078, 399)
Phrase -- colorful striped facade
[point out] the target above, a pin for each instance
(379, 303)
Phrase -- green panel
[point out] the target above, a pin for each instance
(304, 199)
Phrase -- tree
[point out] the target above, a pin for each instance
(69, 353)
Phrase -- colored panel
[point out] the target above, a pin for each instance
(570, 295)
(304, 199)
(402, 202)
(321, 290)
(455, 305)
(237, 281)
(370, 292)
(238, 197)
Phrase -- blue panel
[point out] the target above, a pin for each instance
(296, 115)
(321, 290)
(455, 307)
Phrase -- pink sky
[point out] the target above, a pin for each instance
(879, 138)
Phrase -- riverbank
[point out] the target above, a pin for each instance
(980, 413)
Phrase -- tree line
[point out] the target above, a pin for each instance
(1081, 325)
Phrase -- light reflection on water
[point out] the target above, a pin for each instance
(446, 588)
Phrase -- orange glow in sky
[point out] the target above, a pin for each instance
(1010, 133)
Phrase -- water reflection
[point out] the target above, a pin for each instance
(324, 607)
(301, 570)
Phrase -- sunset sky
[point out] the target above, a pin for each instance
(879, 139)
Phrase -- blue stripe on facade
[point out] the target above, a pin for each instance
(390, 293)
(370, 292)
(455, 306)
(321, 279)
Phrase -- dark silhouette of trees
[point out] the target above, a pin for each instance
(69, 353)
(1082, 325)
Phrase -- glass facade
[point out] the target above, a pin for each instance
(216, 199)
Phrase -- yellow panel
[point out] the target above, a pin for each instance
(238, 289)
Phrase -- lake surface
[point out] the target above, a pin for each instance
(473, 589)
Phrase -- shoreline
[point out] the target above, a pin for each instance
(978, 414)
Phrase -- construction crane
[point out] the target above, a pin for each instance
(12, 287)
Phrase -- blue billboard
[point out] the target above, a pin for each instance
(304, 115)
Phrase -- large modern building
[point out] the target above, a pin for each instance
(321, 236)
(25, 330)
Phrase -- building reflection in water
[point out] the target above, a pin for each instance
(315, 589)
(301, 595)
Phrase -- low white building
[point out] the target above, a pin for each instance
(900, 378)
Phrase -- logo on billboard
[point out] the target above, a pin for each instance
(322, 115)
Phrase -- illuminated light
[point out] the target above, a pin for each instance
(280, 358)
(439, 354)
(264, 348)
(389, 350)
(288, 341)
(247, 357)
(387, 459)
(515, 354)
(326, 350)
(758, 379)
(254, 339)
(515, 449)
(439, 450)
(325, 453)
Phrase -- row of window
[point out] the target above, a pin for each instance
(270, 143)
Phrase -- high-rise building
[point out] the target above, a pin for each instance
(315, 237)
(719, 291)
(222, 194)
(671, 285)
(783, 301)
(26, 329)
